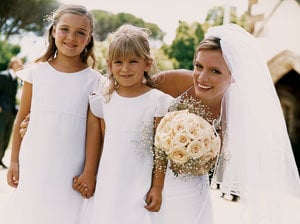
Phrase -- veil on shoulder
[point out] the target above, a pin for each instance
(257, 153)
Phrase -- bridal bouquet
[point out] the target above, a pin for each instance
(188, 141)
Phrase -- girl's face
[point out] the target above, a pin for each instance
(72, 34)
(211, 76)
(129, 72)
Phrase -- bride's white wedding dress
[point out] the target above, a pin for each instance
(186, 200)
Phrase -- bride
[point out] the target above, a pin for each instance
(232, 79)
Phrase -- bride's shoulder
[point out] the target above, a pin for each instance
(174, 82)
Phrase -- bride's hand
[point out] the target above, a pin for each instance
(24, 125)
(154, 199)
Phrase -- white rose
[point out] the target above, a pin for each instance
(170, 115)
(205, 126)
(167, 144)
(197, 127)
(164, 128)
(194, 130)
(180, 116)
(179, 156)
(197, 148)
(180, 113)
(192, 117)
(181, 140)
(179, 126)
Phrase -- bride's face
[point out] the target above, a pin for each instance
(211, 75)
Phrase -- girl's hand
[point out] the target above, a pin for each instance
(24, 125)
(154, 199)
(85, 185)
(13, 175)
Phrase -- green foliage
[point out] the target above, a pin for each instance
(106, 22)
(183, 47)
(6, 52)
(188, 36)
(18, 16)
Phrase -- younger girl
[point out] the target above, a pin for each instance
(55, 92)
(127, 191)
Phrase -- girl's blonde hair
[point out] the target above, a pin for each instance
(88, 52)
(130, 40)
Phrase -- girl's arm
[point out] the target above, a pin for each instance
(25, 104)
(154, 196)
(174, 82)
(86, 182)
(93, 144)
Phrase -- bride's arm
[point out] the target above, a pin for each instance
(174, 82)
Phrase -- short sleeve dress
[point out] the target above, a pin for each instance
(53, 149)
(125, 170)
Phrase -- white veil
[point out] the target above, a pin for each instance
(259, 161)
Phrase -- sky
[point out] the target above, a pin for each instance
(165, 13)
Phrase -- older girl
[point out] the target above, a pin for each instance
(55, 92)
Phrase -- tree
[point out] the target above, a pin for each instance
(19, 15)
(183, 46)
(106, 22)
(122, 18)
